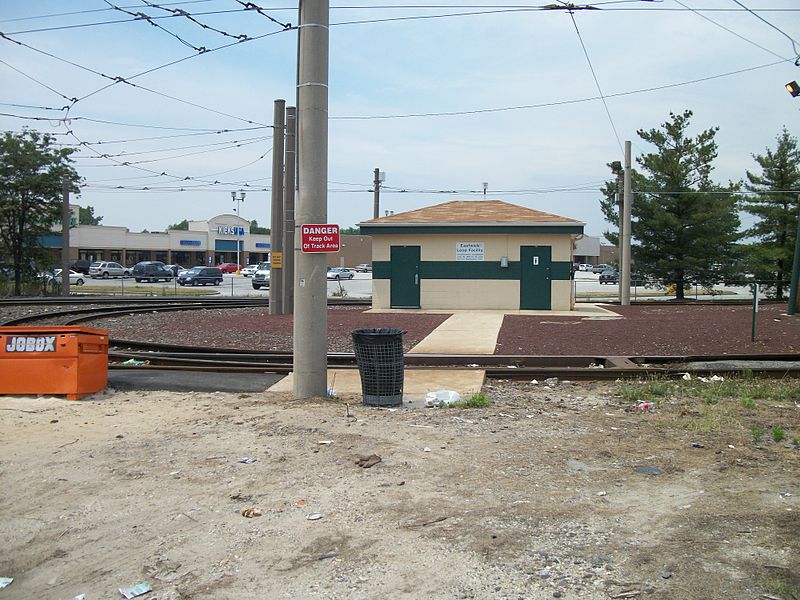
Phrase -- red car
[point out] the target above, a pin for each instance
(229, 267)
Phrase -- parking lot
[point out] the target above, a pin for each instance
(232, 285)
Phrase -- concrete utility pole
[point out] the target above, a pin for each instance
(376, 189)
(311, 289)
(276, 225)
(65, 219)
(616, 169)
(792, 308)
(288, 211)
(625, 262)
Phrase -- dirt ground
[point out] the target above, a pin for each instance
(536, 496)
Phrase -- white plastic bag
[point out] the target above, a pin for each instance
(441, 398)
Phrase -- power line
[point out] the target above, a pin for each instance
(192, 147)
(44, 85)
(741, 37)
(182, 13)
(177, 135)
(556, 103)
(596, 81)
(762, 19)
(140, 16)
(128, 163)
(92, 10)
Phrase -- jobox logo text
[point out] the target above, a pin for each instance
(19, 343)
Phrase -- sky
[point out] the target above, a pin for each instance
(442, 96)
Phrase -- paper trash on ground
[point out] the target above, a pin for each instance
(135, 590)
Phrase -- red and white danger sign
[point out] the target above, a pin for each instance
(319, 238)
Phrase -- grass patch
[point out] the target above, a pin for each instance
(782, 587)
(476, 401)
(778, 434)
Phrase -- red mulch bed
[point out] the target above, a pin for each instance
(255, 329)
(655, 330)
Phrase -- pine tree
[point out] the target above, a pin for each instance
(683, 225)
(775, 206)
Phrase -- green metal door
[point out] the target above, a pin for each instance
(404, 282)
(534, 285)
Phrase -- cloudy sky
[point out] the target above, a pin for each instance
(442, 96)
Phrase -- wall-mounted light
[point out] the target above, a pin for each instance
(793, 88)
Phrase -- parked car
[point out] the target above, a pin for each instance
(151, 270)
(80, 265)
(75, 278)
(262, 275)
(338, 273)
(600, 268)
(249, 270)
(585, 267)
(201, 276)
(363, 268)
(228, 267)
(609, 276)
(108, 269)
(176, 269)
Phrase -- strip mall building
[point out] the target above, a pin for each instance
(207, 242)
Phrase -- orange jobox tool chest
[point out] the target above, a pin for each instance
(67, 360)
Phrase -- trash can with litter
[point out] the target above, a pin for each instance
(379, 355)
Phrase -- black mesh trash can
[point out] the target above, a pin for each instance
(379, 354)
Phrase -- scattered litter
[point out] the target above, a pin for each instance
(535, 381)
(365, 462)
(425, 426)
(602, 493)
(441, 398)
(136, 590)
(646, 407)
(80, 597)
(464, 420)
(511, 367)
(248, 460)
(731, 446)
(314, 517)
(686, 377)
(506, 415)
(426, 449)
(648, 470)
(521, 502)
(327, 555)
(697, 445)
(712, 379)
(551, 381)
(132, 362)
(785, 494)
(5, 582)
(472, 365)
(666, 574)
(325, 442)
(300, 502)
(249, 513)
(596, 366)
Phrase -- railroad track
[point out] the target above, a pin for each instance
(132, 354)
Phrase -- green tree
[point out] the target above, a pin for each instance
(775, 206)
(349, 231)
(32, 172)
(86, 216)
(683, 225)
(255, 228)
(182, 226)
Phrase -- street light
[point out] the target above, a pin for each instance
(793, 89)
(237, 199)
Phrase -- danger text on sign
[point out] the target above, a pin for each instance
(319, 238)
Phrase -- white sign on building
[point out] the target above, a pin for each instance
(469, 251)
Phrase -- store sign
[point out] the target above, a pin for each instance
(319, 238)
(469, 251)
(190, 242)
(276, 260)
(230, 230)
(263, 245)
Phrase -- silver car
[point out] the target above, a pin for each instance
(108, 269)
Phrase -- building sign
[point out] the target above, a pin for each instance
(190, 242)
(319, 238)
(469, 251)
(263, 245)
(276, 259)
(230, 230)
